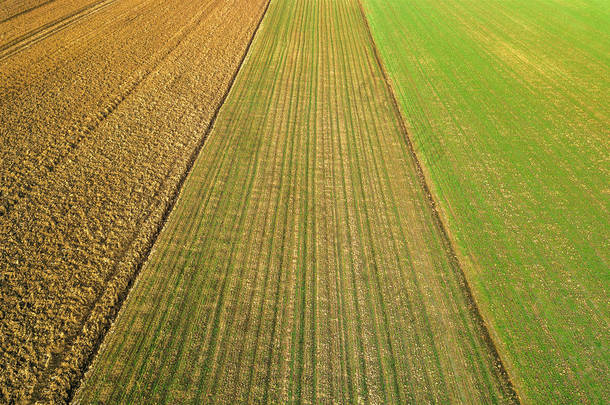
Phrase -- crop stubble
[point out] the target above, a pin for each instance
(99, 122)
(10, 9)
(302, 261)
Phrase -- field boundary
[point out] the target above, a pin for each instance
(142, 255)
(502, 373)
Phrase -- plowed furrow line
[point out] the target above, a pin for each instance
(184, 314)
(295, 372)
(200, 16)
(281, 254)
(304, 363)
(246, 321)
(252, 343)
(255, 380)
(361, 259)
(262, 220)
(236, 293)
(425, 325)
(360, 71)
(352, 364)
(287, 96)
(498, 368)
(345, 333)
(18, 44)
(20, 13)
(348, 264)
(56, 360)
(382, 207)
(190, 228)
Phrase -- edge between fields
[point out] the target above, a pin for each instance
(149, 244)
(447, 241)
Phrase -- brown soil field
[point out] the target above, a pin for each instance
(103, 110)
(24, 28)
(12, 8)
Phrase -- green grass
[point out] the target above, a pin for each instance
(302, 262)
(508, 106)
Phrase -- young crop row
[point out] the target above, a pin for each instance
(508, 105)
(99, 124)
(302, 262)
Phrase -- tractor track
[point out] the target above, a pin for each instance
(90, 124)
(20, 13)
(39, 34)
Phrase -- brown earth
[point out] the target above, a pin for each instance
(102, 114)
(12, 8)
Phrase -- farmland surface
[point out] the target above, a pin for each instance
(302, 261)
(508, 106)
(13, 8)
(104, 105)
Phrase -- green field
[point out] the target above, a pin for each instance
(508, 105)
(303, 261)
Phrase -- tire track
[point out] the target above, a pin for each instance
(260, 218)
(251, 377)
(243, 114)
(367, 182)
(308, 225)
(309, 145)
(291, 164)
(26, 11)
(367, 159)
(143, 377)
(291, 127)
(233, 292)
(25, 41)
(340, 277)
(208, 255)
(90, 124)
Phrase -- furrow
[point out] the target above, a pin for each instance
(18, 44)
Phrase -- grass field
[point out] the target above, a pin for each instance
(102, 109)
(508, 105)
(302, 261)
